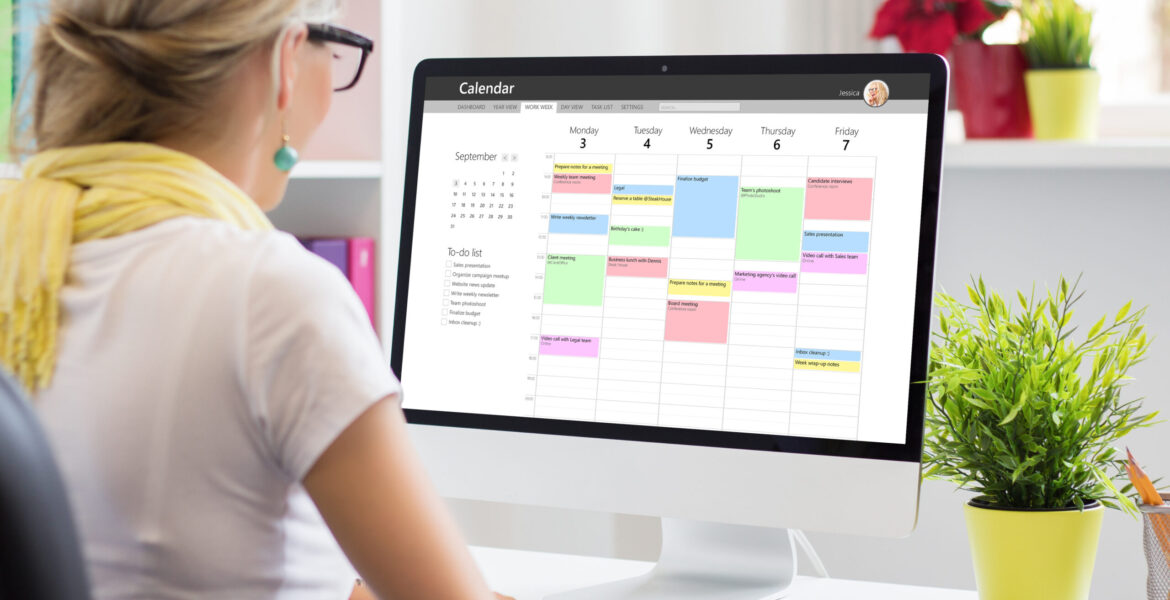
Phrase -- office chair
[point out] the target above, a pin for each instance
(40, 556)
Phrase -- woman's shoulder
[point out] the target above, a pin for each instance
(267, 251)
(215, 237)
(266, 261)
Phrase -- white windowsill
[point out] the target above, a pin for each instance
(1105, 153)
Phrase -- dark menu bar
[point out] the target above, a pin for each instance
(901, 86)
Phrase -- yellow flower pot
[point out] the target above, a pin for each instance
(1063, 103)
(1032, 554)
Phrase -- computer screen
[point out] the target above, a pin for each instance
(697, 256)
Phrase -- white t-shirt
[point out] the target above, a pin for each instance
(201, 371)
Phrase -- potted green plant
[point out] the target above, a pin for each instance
(1026, 412)
(1062, 85)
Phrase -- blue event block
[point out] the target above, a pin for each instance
(835, 241)
(847, 355)
(565, 223)
(620, 189)
(705, 206)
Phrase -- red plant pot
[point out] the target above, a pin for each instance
(989, 89)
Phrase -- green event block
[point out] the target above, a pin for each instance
(771, 223)
(574, 279)
(636, 235)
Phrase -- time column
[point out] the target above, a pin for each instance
(539, 249)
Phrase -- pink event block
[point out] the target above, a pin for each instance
(697, 321)
(361, 273)
(764, 281)
(636, 266)
(569, 345)
(845, 198)
(833, 262)
(582, 183)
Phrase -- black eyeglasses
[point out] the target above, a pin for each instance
(350, 50)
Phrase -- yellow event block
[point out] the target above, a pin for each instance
(698, 287)
(582, 168)
(643, 200)
(843, 366)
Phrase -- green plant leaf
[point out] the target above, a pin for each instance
(1019, 405)
(974, 296)
(1096, 327)
(1124, 311)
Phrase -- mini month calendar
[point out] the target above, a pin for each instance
(486, 191)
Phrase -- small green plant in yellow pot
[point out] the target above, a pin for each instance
(1062, 85)
(1025, 412)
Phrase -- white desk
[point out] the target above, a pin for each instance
(531, 575)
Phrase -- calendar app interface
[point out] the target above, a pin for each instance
(722, 252)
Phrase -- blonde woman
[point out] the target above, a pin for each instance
(222, 412)
(876, 93)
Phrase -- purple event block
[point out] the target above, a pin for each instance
(569, 345)
(764, 281)
(847, 263)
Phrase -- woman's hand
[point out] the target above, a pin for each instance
(361, 592)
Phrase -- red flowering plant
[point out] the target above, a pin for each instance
(932, 25)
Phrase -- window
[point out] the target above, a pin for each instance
(1133, 49)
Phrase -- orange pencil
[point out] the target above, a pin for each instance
(1151, 497)
(1141, 482)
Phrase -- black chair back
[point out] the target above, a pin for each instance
(40, 556)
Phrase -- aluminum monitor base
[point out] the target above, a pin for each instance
(710, 561)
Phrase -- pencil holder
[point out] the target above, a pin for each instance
(1156, 540)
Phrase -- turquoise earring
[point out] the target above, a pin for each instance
(286, 157)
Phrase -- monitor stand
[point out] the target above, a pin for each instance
(711, 561)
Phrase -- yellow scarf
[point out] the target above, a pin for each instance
(72, 195)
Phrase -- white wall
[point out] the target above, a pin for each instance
(1013, 226)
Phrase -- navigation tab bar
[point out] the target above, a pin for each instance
(853, 106)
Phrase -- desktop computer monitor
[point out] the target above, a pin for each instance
(694, 287)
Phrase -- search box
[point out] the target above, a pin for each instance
(698, 106)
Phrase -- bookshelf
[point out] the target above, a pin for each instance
(338, 169)
(344, 187)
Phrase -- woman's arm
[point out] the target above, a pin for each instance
(371, 489)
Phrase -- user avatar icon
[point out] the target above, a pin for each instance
(876, 93)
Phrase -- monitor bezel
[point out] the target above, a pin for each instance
(933, 65)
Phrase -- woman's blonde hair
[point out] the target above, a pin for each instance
(141, 70)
